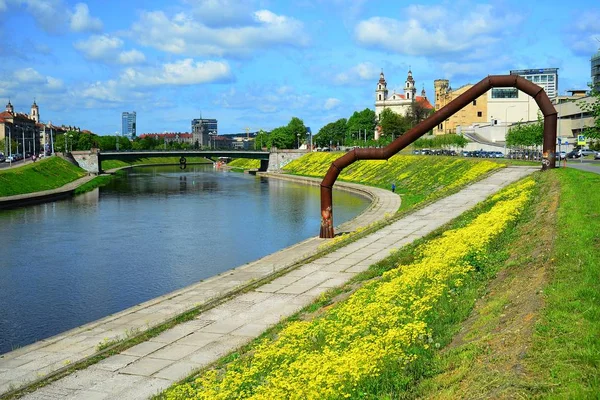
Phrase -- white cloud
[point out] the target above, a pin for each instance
(28, 75)
(104, 91)
(81, 21)
(99, 47)
(107, 49)
(437, 30)
(219, 13)
(2, 5)
(331, 103)
(360, 72)
(131, 57)
(51, 15)
(181, 34)
(584, 36)
(184, 72)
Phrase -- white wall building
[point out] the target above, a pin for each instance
(400, 103)
(544, 77)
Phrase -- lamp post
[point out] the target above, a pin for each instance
(51, 139)
(66, 144)
(71, 137)
(9, 146)
(298, 135)
(117, 139)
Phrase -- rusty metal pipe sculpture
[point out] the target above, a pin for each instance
(549, 145)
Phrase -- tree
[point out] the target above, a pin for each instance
(297, 132)
(526, 134)
(281, 138)
(261, 140)
(593, 108)
(4, 146)
(362, 121)
(392, 124)
(332, 133)
(417, 113)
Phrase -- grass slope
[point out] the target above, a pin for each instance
(536, 332)
(50, 173)
(417, 178)
(242, 164)
(110, 164)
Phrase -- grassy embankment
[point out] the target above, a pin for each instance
(243, 164)
(417, 178)
(524, 265)
(111, 164)
(50, 173)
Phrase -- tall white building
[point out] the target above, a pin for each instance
(544, 77)
(400, 103)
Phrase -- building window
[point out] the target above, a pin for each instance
(502, 93)
(479, 114)
(379, 97)
(495, 122)
(441, 127)
(474, 102)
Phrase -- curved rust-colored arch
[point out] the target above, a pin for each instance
(538, 93)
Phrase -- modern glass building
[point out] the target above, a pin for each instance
(128, 124)
(595, 63)
(544, 77)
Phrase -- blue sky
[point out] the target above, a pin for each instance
(259, 63)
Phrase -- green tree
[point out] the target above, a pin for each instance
(593, 108)
(261, 140)
(281, 138)
(526, 135)
(417, 113)
(297, 132)
(332, 133)
(392, 124)
(363, 121)
(5, 148)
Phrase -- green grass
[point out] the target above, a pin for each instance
(242, 164)
(417, 178)
(49, 173)
(94, 183)
(566, 351)
(111, 164)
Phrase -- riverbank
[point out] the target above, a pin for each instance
(80, 345)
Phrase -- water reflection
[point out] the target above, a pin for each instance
(147, 233)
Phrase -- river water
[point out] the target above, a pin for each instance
(155, 230)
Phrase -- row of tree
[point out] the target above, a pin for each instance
(360, 128)
(441, 142)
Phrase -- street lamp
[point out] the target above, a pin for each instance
(71, 137)
(9, 145)
(298, 134)
(117, 137)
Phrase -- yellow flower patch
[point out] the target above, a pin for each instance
(381, 324)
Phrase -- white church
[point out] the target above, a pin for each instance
(399, 102)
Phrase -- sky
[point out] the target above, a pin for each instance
(256, 64)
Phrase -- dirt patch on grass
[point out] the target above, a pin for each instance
(491, 346)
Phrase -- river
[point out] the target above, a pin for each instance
(152, 231)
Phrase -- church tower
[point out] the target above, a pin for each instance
(410, 91)
(35, 112)
(381, 93)
(9, 108)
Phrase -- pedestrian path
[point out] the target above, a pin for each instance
(152, 366)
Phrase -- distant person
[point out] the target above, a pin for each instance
(393, 188)
(33, 158)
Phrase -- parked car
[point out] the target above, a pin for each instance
(10, 158)
(574, 154)
(587, 152)
(2, 158)
(597, 155)
(561, 155)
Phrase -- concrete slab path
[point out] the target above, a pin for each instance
(152, 366)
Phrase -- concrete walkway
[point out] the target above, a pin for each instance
(154, 365)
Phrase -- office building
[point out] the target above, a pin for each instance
(128, 124)
(203, 129)
(544, 77)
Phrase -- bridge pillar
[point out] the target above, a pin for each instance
(264, 165)
(87, 160)
(280, 158)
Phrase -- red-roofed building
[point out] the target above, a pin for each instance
(400, 103)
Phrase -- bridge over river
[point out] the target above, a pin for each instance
(271, 161)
